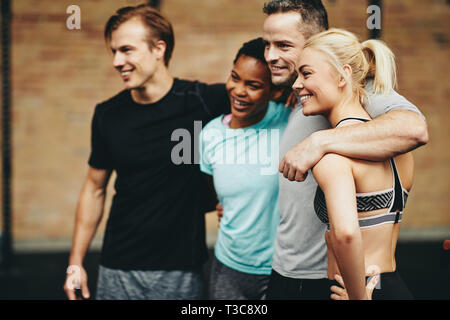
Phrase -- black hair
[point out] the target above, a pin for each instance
(313, 13)
(253, 48)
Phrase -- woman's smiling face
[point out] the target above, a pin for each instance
(249, 89)
(317, 83)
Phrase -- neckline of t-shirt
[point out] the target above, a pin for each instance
(253, 126)
(145, 106)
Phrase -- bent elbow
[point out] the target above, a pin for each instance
(344, 237)
(418, 131)
(422, 134)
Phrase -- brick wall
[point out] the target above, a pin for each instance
(59, 75)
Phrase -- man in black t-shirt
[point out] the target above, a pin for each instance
(154, 244)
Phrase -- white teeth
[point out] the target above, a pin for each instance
(239, 103)
(125, 73)
(305, 97)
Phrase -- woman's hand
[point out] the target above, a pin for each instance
(339, 293)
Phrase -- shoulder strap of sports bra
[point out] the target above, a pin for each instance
(398, 203)
(351, 118)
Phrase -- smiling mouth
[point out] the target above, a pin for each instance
(239, 104)
(125, 74)
(276, 69)
(305, 97)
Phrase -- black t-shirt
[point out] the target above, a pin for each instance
(156, 220)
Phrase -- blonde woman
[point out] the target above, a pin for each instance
(362, 235)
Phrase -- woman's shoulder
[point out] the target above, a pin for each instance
(334, 158)
(215, 123)
(278, 112)
(332, 165)
(213, 132)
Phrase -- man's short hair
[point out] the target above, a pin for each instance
(313, 13)
(158, 26)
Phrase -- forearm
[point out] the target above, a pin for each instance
(88, 216)
(334, 175)
(384, 137)
(350, 259)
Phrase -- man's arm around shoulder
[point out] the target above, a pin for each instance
(393, 133)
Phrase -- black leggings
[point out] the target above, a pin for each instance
(390, 287)
(284, 288)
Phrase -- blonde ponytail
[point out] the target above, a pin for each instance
(371, 59)
(381, 65)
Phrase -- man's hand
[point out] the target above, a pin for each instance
(76, 279)
(301, 158)
(292, 101)
(219, 209)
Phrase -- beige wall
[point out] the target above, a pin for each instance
(59, 75)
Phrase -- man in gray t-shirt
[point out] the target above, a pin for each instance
(300, 258)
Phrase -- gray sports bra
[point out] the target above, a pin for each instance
(393, 199)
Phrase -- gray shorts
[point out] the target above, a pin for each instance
(229, 284)
(149, 285)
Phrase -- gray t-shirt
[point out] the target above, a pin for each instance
(300, 249)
